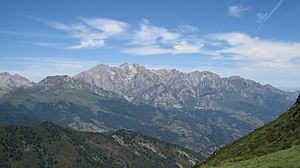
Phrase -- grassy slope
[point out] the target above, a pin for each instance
(288, 158)
(51, 146)
(86, 111)
(30, 96)
(283, 133)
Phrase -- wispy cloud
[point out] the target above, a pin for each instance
(248, 55)
(91, 32)
(265, 17)
(148, 50)
(188, 29)
(261, 52)
(260, 17)
(149, 39)
(153, 40)
(237, 10)
(150, 35)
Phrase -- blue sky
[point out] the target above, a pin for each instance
(259, 40)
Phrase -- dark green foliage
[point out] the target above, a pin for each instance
(51, 146)
(67, 107)
(281, 134)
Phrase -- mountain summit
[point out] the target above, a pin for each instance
(197, 110)
(9, 82)
(175, 89)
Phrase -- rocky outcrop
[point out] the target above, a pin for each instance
(67, 82)
(10, 82)
(175, 89)
(168, 88)
(198, 110)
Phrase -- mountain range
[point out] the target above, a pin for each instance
(197, 110)
(10, 82)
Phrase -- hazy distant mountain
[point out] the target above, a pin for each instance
(9, 82)
(51, 146)
(276, 144)
(197, 110)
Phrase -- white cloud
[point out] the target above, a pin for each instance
(148, 50)
(154, 40)
(150, 35)
(89, 43)
(261, 52)
(242, 54)
(185, 39)
(185, 48)
(179, 48)
(185, 28)
(232, 38)
(146, 40)
(237, 10)
(108, 27)
(91, 32)
(268, 16)
(260, 17)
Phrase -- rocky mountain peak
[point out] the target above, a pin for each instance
(4, 74)
(298, 100)
(54, 80)
(168, 87)
(204, 74)
(168, 73)
(130, 70)
(16, 77)
(235, 77)
(131, 66)
(100, 68)
(9, 82)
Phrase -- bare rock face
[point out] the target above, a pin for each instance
(172, 88)
(208, 109)
(67, 82)
(51, 81)
(10, 82)
(169, 88)
(137, 84)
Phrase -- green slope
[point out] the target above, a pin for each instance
(277, 136)
(288, 158)
(86, 111)
(51, 146)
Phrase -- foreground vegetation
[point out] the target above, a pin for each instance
(288, 158)
(273, 145)
(197, 130)
(51, 146)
